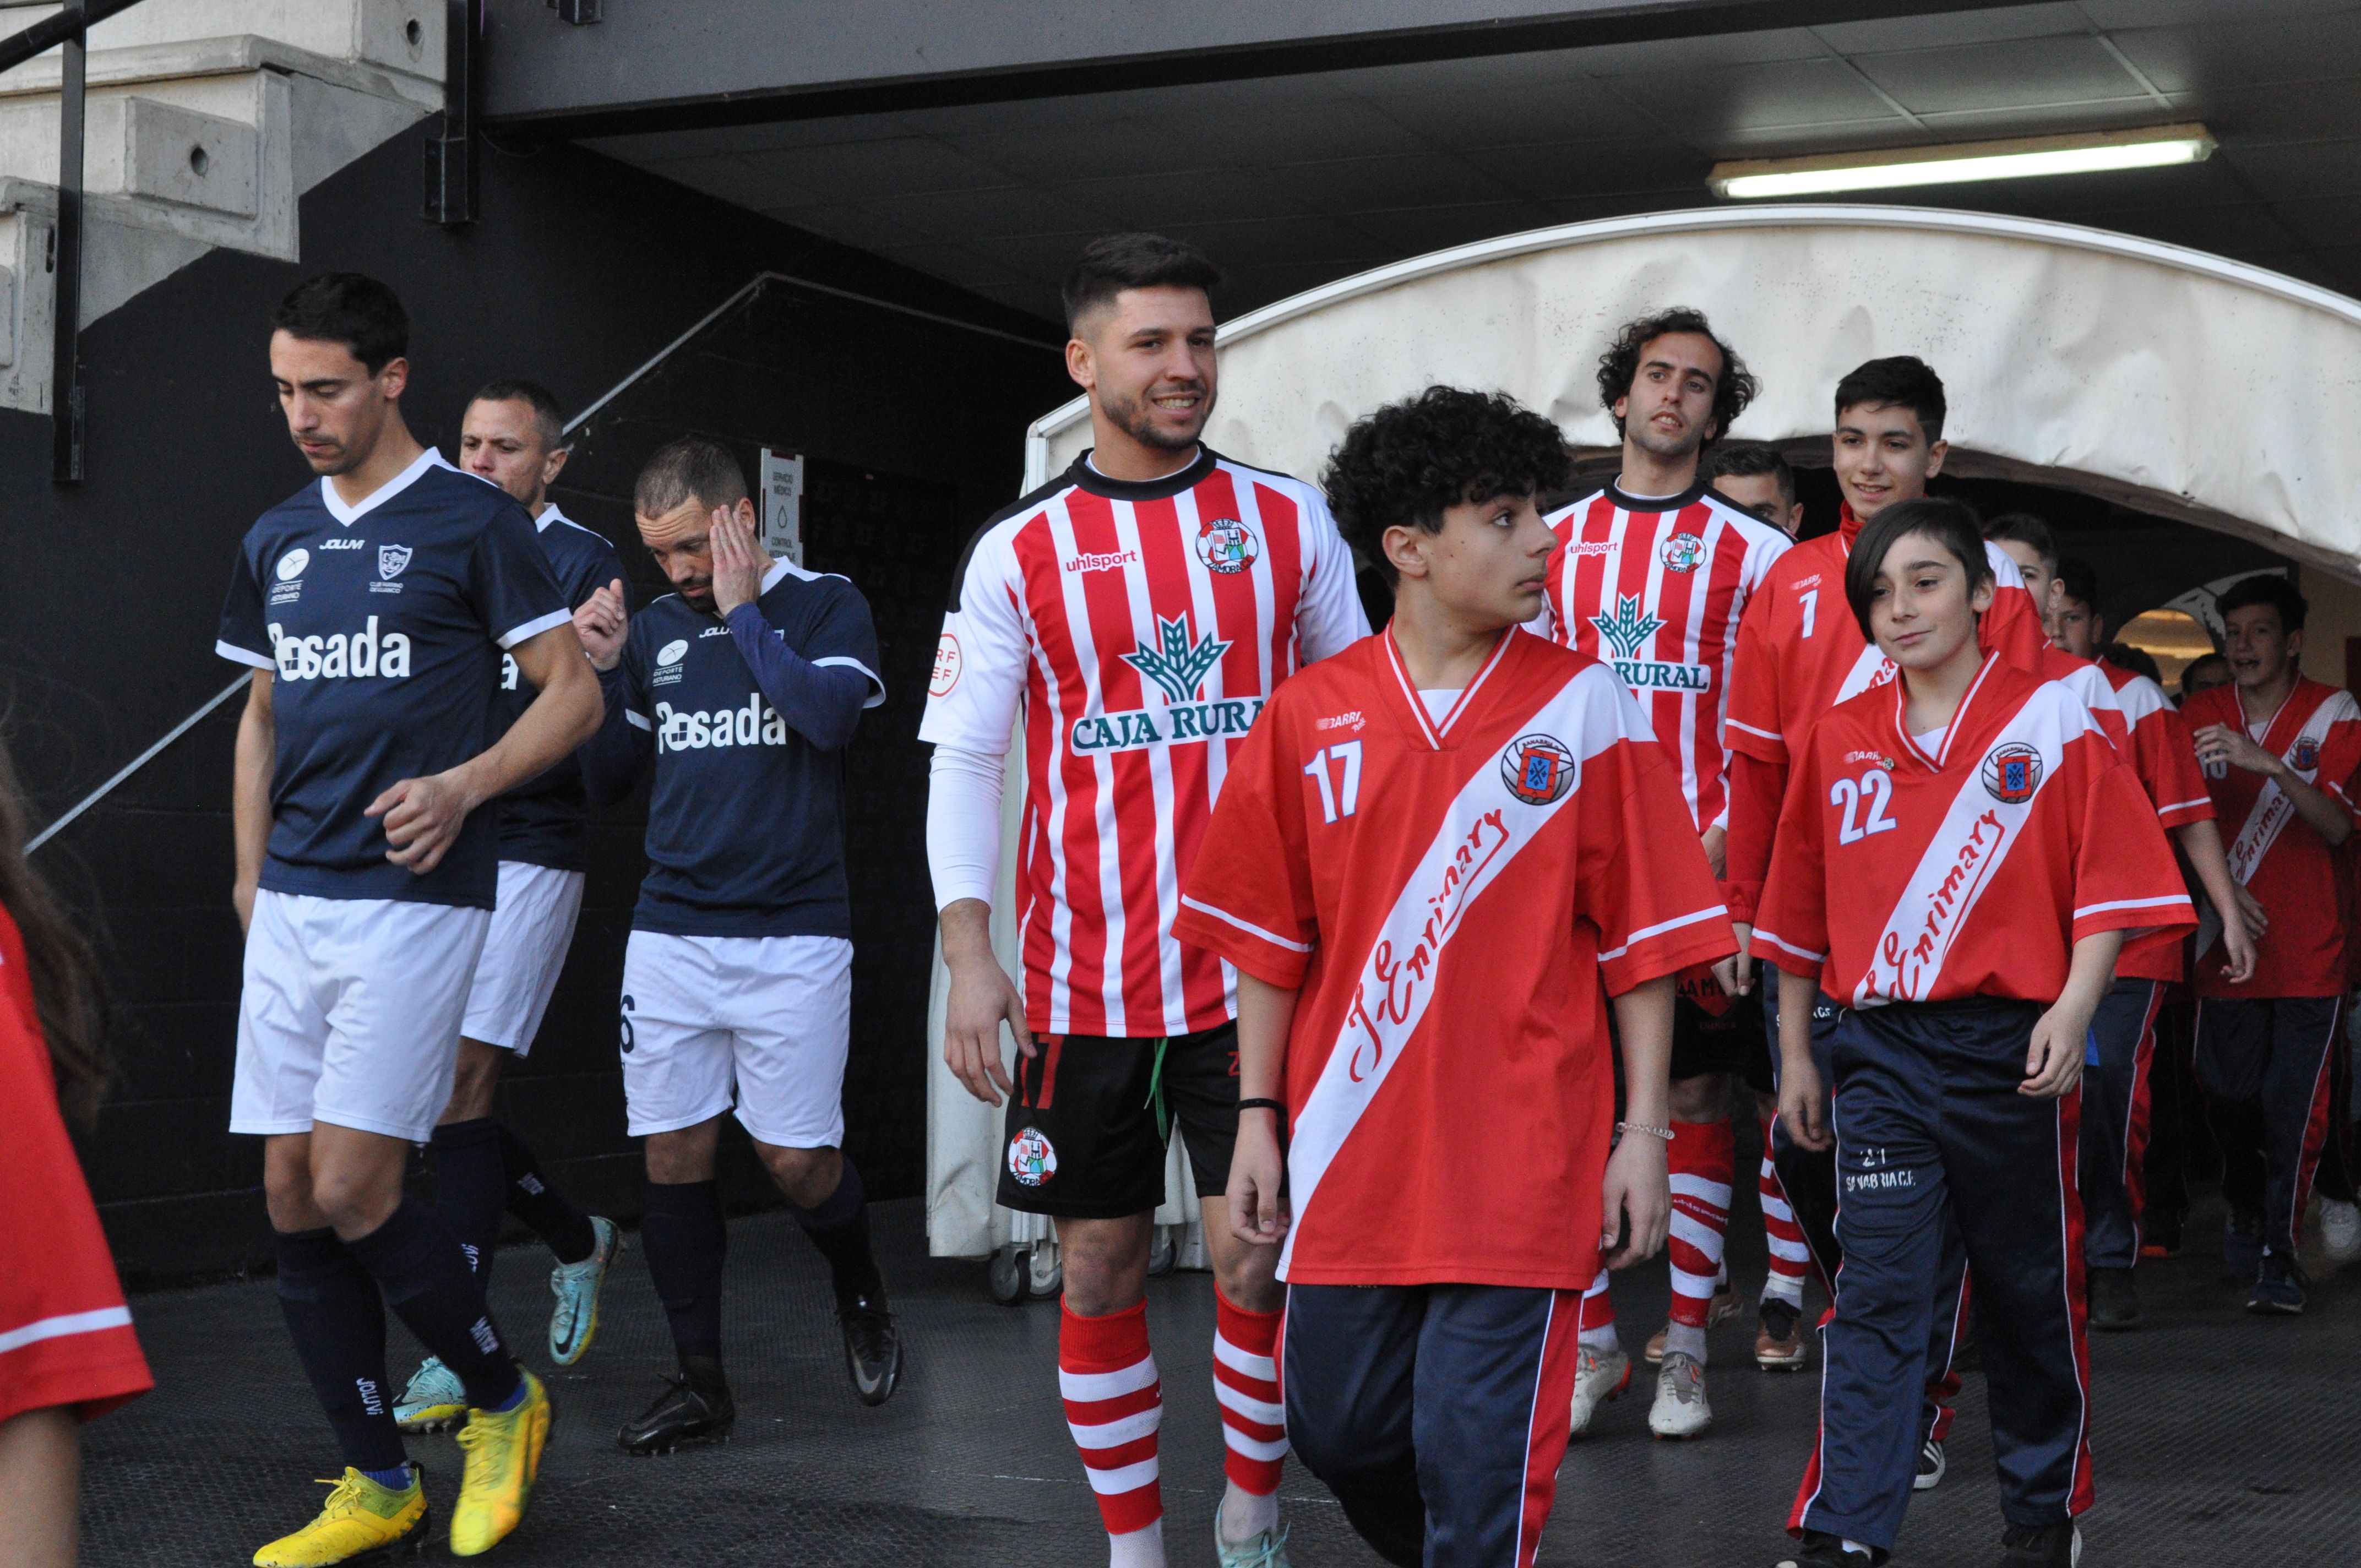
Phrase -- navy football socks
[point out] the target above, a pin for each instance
(839, 1227)
(562, 1227)
(470, 1183)
(338, 1323)
(418, 1263)
(687, 1242)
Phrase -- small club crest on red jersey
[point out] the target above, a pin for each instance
(1227, 546)
(1031, 1160)
(1538, 769)
(1682, 552)
(2306, 755)
(2012, 773)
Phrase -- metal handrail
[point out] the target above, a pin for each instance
(50, 31)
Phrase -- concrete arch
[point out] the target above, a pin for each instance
(2175, 382)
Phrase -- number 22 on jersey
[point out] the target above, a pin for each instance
(1338, 795)
(1875, 792)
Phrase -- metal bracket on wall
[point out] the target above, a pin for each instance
(451, 151)
(579, 13)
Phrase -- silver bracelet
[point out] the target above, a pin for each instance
(1663, 1132)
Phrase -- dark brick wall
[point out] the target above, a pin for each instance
(579, 270)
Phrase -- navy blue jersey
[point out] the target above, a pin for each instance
(383, 626)
(744, 719)
(541, 820)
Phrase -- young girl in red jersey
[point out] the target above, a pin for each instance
(1960, 859)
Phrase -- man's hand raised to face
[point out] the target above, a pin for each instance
(739, 563)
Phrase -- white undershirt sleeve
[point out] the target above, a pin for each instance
(963, 825)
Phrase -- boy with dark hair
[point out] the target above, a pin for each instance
(1959, 863)
(1755, 479)
(2074, 608)
(1436, 857)
(1136, 611)
(1799, 655)
(373, 606)
(739, 692)
(2030, 543)
(1652, 573)
(2281, 754)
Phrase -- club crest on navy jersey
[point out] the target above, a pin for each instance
(1031, 1160)
(1682, 552)
(2012, 773)
(1538, 769)
(390, 560)
(1227, 546)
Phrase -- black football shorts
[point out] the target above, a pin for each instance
(1085, 1132)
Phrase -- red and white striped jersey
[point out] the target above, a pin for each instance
(2164, 756)
(2280, 858)
(1140, 627)
(1656, 588)
(1972, 870)
(1455, 900)
(1800, 652)
(65, 1333)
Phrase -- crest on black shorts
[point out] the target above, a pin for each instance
(1538, 769)
(2012, 773)
(1031, 1160)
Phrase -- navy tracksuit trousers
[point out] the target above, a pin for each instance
(1436, 1413)
(1930, 1129)
(2275, 1071)
(2115, 1121)
(1808, 1177)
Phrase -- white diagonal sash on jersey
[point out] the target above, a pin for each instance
(1976, 836)
(1873, 668)
(1484, 828)
(2273, 808)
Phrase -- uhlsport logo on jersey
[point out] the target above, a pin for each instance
(1227, 546)
(668, 662)
(2012, 773)
(335, 656)
(1624, 632)
(1176, 666)
(755, 724)
(1031, 1160)
(1538, 769)
(1682, 552)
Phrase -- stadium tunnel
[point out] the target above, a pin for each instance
(2151, 440)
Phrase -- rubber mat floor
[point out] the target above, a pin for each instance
(2220, 1438)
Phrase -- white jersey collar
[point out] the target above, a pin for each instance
(348, 515)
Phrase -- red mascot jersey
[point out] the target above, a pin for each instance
(1455, 900)
(1905, 874)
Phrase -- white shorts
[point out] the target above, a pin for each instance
(349, 1013)
(768, 1017)
(515, 978)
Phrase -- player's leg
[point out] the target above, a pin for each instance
(1201, 1087)
(1494, 1372)
(1081, 1143)
(2011, 1163)
(1779, 1337)
(677, 1067)
(1349, 1368)
(1947, 1334)
(2173, 1099)
(1701, 1164)
(2114, 1146)
(2297, 1081)
(468, 1199)
(1858, 1481)
(2340, 1216)
(2233, 1042)
(789, 1009)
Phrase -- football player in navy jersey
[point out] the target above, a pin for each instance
(373, 606)
(513, 435)
(742, 688)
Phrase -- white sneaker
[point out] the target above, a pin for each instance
(2340, 1230)
(1597, 1378)
(1680, 1410)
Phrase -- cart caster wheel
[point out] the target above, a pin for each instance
(1046, 1272)
(1006, 1276)
(1163, 1252)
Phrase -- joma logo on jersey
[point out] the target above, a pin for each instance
(1179, 665)
(340, 656)
(1624, 632)
(756, 724)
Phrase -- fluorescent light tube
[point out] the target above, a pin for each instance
(1960, 163)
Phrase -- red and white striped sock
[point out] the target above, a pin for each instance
(1595, 1320)
(1114, 1405)
(1701, 1161)
(1781, 1235)
(1254, 1419)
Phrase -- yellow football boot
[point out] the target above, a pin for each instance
(503, 1450)
(360, 1520)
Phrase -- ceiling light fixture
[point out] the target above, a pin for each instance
(1962, 163)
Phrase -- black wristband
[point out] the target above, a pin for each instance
(1278, 1105)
